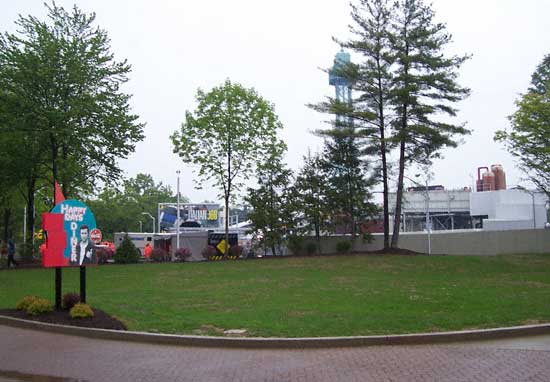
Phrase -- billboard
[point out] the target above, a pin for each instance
(68, 242)
(192, 215)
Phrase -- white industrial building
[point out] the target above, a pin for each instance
(510, 209)
(463, 209)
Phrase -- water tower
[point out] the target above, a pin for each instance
(336, 79)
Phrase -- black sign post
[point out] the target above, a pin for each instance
(58, 288)
(83, 285)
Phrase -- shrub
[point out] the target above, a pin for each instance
(343, 246)
(81, 311)
(159, 255)
(127, 252)
(311, 248)
(39, 306)
(183, 254)
(209, 251)
(24, 303)
(70, 300)
(296, 244)
(104, 254)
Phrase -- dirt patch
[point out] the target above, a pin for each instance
(394, 251)
(100, 320)
(209, 330)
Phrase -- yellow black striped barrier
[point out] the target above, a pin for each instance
(219, 258)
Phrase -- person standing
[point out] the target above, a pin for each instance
(3, 250)
(147, 251)
(11, 253)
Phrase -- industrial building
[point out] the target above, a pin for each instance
(491, 206)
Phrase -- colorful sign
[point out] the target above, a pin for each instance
(217, 240)
(203, 215)
(68, 235)
(96, 235)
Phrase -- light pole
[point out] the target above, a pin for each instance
(521, 188)
(178, 213)
(152, 217)
(140, 226)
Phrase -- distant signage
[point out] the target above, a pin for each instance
(68, 229)
(204, 215)
(96, 236)
(217, 240)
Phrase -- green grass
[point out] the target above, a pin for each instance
(317, 296)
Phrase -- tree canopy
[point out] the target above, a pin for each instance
(61, 92)
(121, 210)
(529, 137)
(62, 111)
(229, 133)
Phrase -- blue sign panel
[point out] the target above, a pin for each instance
(79, 221)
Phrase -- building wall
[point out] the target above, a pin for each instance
(509, 209)
(459, 242)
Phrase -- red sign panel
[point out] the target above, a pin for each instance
(52, 255)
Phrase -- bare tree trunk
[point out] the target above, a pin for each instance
(31, 184)
(384, 171)
(227, 195)
(399, 199)
(55, 174)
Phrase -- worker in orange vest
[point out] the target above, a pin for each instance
(147, 251)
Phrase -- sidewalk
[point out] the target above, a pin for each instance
(42, 356)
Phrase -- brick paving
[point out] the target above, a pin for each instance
(46, 357)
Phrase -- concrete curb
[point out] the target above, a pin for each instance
(281, 343)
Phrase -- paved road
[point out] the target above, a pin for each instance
(44, 357)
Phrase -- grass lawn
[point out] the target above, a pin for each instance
(310, 297)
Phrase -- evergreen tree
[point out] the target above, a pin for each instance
(347, 184)
(127, 253)
(424, 88)
(371, 83)
(310, 194)
(272, 215)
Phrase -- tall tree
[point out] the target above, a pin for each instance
(371, 82)
(347, 181)
(231, 131)
(272, 214)
(60, 80)
(310, 193)
(540, 80)
(529, 137)
(424, 88)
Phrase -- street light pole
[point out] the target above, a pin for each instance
(532, 203)
(428, 224)
(152, 217)
(178, 213)
(534, 216)
(140, 226)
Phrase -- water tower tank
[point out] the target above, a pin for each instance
(500, 177)
(335, 76)
(488, 181)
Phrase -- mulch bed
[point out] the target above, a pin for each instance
(100, 320)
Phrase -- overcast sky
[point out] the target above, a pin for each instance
(277, 47)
